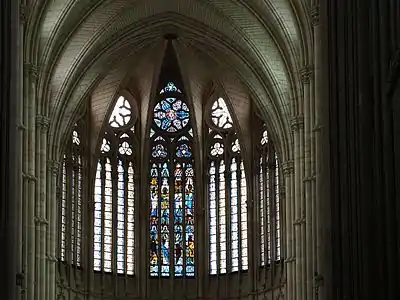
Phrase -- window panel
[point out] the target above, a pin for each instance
(172, 193)
(269, 200)
(114, 194)
(227, 192)
(71, 201)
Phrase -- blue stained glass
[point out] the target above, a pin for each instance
(165, 105)
(154, 221)
(179, 271)
(165, 171)
(183, 151)
(170, 87)
(165, 124)
(172, 197)
(171, 115)
(182, 114)
(177, 105)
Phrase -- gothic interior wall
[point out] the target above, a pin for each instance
(265, 54)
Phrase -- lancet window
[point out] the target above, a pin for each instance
(115, 192)
(171, 188)
(269, 201)
(227, 194)
(70, 208)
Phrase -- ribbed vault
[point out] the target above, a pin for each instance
(85, 45)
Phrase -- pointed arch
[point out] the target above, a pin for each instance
(115, 190)
(172, 182)
(227, 192)
(269, 197)
(70, 206)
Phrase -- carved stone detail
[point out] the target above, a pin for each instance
(305, 74)
(288, 167)
(297, 123)
(53, 166)
(41, 220)
(314, 15)
(43, 122)
(23, 13)
(32, 70)
(29, 177)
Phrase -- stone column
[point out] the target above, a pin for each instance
(297, 125)
(288, 172)
(305, 74)
(42, 125)
(28, 169)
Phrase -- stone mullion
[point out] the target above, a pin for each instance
(40, 217)
(265, 199)
(288, 170)
(52, 210)
(30, 179)
(271, 203)
(306, 78)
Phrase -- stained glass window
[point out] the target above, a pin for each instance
(171, 188)
(269, 201)
(71, 200)
(114, 194)
(227, 193)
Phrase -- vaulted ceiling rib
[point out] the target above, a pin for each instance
(262, 36)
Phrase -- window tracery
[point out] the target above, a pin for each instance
(269, 201)
(227, 194)
(171, 189)
(71, 200)
(114, 194)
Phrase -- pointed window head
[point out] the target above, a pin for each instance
(121, 114)
(220, 114)
(170, 87)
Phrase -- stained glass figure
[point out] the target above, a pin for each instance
(174, 173)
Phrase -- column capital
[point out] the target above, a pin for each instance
(297, 123)
(43, 122)
(53, 166)
(31, 70)
(305, 74)
(314, 13)
(24, 11)
(288, 167)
